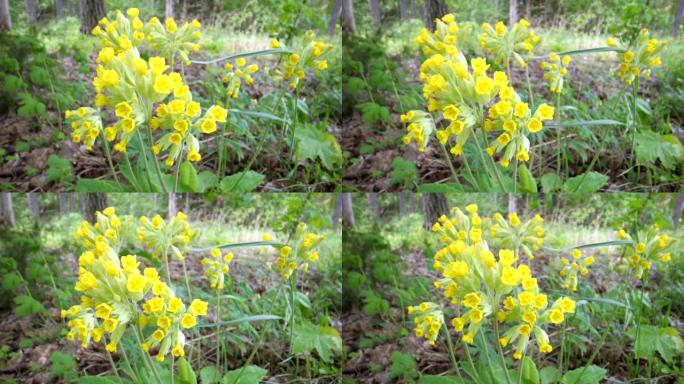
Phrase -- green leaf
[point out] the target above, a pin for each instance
(39, 76)
(590, 374)
(30, 106)
(207, 180)
(372, 112)
(403, 365)
(186, 375)
(355, 85)
(27, 306)
(550, 182)
(94, 185)
(549, 375)
(403, 171)
(250, 374)
(434, 379)
(580, 52)
(527, 182)
(13, 83)
(209, 375)
(246, 319)
(10, 281)
(242, 182)
(665, 340)
(244, 55)
(670, 344)
(437, 187)
(530, 375)
(63, 365)
(101, 380)
(261, 115)
(188, 176)
(59, 169)
(309, 337)
(239, 245)
(592, 245)
(585, 183)
(652, 146)
(313, 143)
(584, 123)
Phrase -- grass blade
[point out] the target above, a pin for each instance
(242, 55)
(239, 245)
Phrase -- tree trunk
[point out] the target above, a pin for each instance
(512, 12)
(31, 12)
(90, 12)
(169, 9)
(434, 9)
(91, 202)
(512, 204)
(172, 209)
(59, 9)
(348, 220)
(412, 202)
(5, 18)
(528, 11)
(374, 206)
(334, 16)
(337, 212)
(33, 205)
(375, 11)
(62, 202)
(6, 210)
(434, 206)
(184, 10)
(401, 201)
(402, 10)
(678, 19)
(677, 214)
(414, 12)
(348, 22)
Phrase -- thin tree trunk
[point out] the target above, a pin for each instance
(374, 206)
(334, 16)
(184, 10)
(31, 12)
(434, 9)
(402, 10)
(6, 210)
(512, 203)
(434, 206)
(5, 17)
(678, 19)
(33, 205)
(61, 199)
(348, 22)
(401, 200)
(90, 12)
(528, 11)
(337, 212)
(677, 214)
(412, 202)
(187, 203)
(59, 9)
(375, 11)
(512, 12)
(348, 220)
(168, 13)
(172, 209)
(414, 12)
(90, 203)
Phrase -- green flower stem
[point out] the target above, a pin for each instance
(486, 353)
(529, 87)
(470, 171)
(128, 363)
(499, 350)
(111, 361)
(168, 270)
(156, 161)
(293, 288)
(218, 329)
(294, 126)
(451, 166)
(481, 151)
(559, 132)
(143, 154)
(148, 361)
(109, 161)
(472, 365)
(180, 159)
(644, 279)
(187, 281)
(173, 360)
(561, 358)
(134, 178)
(635, 121)
(515, 176)
(451, 351)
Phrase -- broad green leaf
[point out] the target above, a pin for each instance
(590, 374)
(11, 281)
(101, 380)
(435, 187)
(94, 185)
(242, 182)
(188, 176)
(585, 183)
(209, 375)
(309, 337)
(527, 182)
(403, 171)
(530, 375)
(652, 146)
(186, 375)
(27, 306)
(665, 340)
(549, 375)
(207, 180)
(260, 115)
(434, 379)
(250, 374)
(670, 344)
(247, 319)
(59, 169)
(550, 182)
(312, 143)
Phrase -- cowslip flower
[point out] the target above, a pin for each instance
(238, 72)
(174, 41)
(300, 253)
(647, 247)
(308, 54)
(505, 44)
(428, 318)
(121, 34)
(86, 125)
(216, 267)
(555, 70)
(524, 237)
(420, 128)
(571, 269)
(443, 40)
(640, 59)
(166, 237)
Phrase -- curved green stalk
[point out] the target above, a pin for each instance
(451, 166)
(218, 329)
(143, 154)
(500, 351)
(109, 161)
(559, 132)
(156, 161)
(450, 345)
(486, 353)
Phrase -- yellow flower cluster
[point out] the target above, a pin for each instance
(571, 268)
(171, 40)
(504, 43)
(166, 237)
(310, 54)
(112, 289)
(517, 235)
(443, 40)
(554, 71)
(647, 247)
(236, 74)
(476, 280)
(181, 119)
(420, 128)
(300, 254)
(428, 318)
(216, 267)
(86, 125)
(514, 118)
(640, 59)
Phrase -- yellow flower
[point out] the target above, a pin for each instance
(193, 109)
(103, 311)
(208, 126)
(188, 321)
(177, 106)
(198, 307)
(164, 322)
(175, 305)
(556, 316)
(136, 283)
(534, 125)
(456, 270)
(110, 324)
(194, 156)
(484, 85)
(163, 84)
(178, 351)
